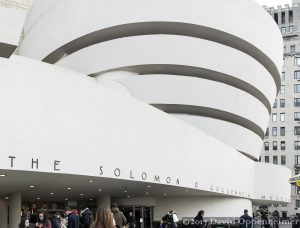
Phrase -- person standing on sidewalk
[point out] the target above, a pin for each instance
(119, 217)
(245, 220)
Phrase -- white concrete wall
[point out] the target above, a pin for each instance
(267, 176)
(56, 111)
(240, 138)
(11, 25)
(173, 50)
(132, 11)
(50, 113)
(173, 89)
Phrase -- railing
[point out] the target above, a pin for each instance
(23, 4)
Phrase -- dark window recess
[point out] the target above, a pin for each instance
(297, 130)
(276, 17)
(267, 160)
(266, 145)
(282, 145)
(282, 103)
(291, 18)
(297, 116)
(297, 146)
(297, 102)
(275, 159)
(282, 17)
(275, 145)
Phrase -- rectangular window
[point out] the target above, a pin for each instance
(297, 161)
(276, 17)
(267, 132)
(274, 131)
(267, 159)
(297, 130)
(297, 74)
(282, 131)
(282, 17)
(297, 61)
(297, 145)
(275, 104)
(282, 145)
(297, 88)
(274, 117)
(282, 89)
(283, 62)
(291, 18)
(283, 30)
(297, 116)
(282, 76)
(297, 102)
(282, 117)
(291, 28)
(292, 48)
(297, 203)
(274, 145)
(275, 159)
(266, 146)
(282, 103)
(283, 160)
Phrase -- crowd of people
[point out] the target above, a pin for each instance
(259, 220)
(105, 218)
(114, 218)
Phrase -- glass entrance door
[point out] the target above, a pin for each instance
(147, 217)
(142, 215)
(138, 214)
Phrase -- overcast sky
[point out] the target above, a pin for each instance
(273, 2)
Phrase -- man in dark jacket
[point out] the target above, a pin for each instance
(73, 220)
(245, 220)
(119, 217)
(86, 218)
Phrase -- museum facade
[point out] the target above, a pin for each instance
(155, 105)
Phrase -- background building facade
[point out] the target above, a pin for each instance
(282, 138)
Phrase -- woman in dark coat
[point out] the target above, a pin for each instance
(198, 220)
(42, 222)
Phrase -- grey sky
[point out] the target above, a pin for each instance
(273, 2)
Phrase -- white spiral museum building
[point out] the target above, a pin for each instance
(159, 104)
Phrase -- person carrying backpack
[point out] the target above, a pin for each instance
(86, 218)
